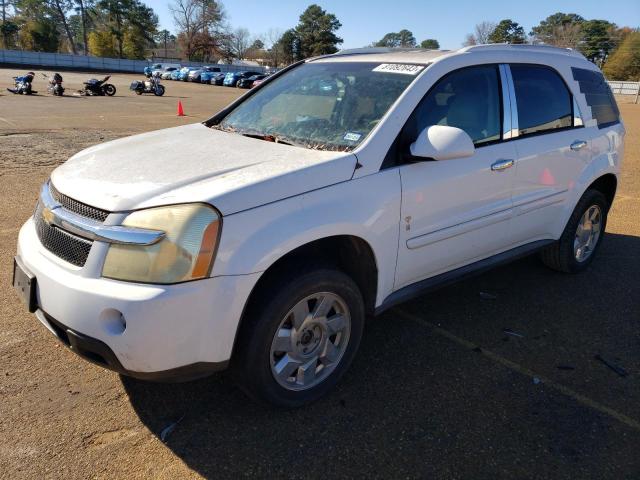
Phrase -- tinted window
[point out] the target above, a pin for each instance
(468, 99)
(544, 102)
(598, 96)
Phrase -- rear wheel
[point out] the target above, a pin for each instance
(299, 336)
(582, 236)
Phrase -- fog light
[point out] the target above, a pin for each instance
(113, 321)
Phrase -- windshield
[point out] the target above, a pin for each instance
(325, 106)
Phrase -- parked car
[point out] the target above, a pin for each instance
(231, 79)
(163, 67)
(217, 79)
(196, 75)
(322, 204)
(184, 73)
(248, 82)
(166, 74)
(259, 81)
(175, 75)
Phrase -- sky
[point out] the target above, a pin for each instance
(366, 21)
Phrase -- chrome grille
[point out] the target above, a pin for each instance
(80, 208)
(65, 245)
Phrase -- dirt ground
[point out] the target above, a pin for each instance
(494, 377)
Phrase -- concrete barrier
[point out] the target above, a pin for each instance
(84, 62)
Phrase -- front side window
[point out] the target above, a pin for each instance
(323, 105)
(544, 102)
(468, 99)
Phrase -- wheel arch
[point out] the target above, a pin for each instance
(606, 184)
(350, 254)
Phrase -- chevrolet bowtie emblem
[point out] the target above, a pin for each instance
(48, 215)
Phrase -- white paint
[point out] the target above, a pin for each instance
(420, 219)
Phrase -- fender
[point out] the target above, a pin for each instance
(368, 208)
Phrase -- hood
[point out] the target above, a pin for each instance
(194, 163)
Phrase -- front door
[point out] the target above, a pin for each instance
(457, 211)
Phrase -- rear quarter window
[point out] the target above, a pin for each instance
(544, 101)
(598, 96)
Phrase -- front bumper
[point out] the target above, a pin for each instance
(149, 331)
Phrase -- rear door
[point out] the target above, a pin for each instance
(457, 211)
(553, 147)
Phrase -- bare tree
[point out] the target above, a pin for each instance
(481, 34)
(200, 25)
(240, 42)
(272, 39)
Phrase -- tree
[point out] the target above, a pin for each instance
(163, 38)
(257, 44)
(240, 42)
(201, 28)
(430, 44)
(274, 49)
(82, 8)
(289, 45)
(624, 63)
(102, 43)
(316, 32)
(62, 7)
(403, 38)
(481, 33)
(507, 31)
(8, 28)
(599, 38)
(559, 29)
(39, 35)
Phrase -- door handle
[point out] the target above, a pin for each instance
(578, 144)
(501, 165)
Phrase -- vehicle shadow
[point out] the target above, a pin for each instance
(417, 404)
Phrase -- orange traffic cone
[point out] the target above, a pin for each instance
(180, 109)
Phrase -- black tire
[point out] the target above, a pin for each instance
(158, 92)
(251, 363)
(138, 92)
(109, 89)
(560, 256)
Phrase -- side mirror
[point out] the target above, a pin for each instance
(442, 143)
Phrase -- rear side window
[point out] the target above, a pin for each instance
(544, 102)
(598, 96)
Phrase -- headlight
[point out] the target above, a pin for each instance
(185, 253)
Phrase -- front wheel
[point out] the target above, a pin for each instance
(109, 89)
(299, 337)
(582, 236)
(159, 91)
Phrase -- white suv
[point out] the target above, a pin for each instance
(343, 185)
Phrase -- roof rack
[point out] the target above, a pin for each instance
(369, 50)
(523, 46)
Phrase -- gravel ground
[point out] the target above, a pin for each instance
(438, 390)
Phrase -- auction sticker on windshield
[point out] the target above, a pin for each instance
(399, 68)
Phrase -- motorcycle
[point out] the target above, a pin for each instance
(23, 84)
(55, 85)
(152, 85)
(99, 87)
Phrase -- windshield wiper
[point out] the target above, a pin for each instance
(267, 138)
